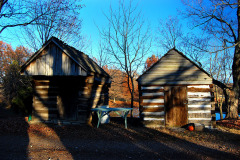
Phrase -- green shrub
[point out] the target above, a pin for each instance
(22, 103)
(17, 90)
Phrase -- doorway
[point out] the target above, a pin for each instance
(176, 114)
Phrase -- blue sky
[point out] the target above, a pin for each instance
(92, 16)
(152, 10)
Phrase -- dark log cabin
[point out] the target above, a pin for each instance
(175, 91)
(67, 84)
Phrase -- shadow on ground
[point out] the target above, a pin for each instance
(111, 141)
(14, 138)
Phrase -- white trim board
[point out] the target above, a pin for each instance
(153, 119)
(153, 87)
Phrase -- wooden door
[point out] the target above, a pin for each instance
(176, 113)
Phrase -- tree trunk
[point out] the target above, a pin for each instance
(234, 93)
(232, 103)
(132, 96)
(219, 103)
(230, 100)
(131, 90)
(221, 113)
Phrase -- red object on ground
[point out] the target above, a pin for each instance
(190, 128)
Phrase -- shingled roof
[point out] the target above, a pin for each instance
(77, 56)
(175, 50)
(181, 69)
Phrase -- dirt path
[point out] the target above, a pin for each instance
(19, 140)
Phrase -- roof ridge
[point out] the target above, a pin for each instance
(182, 54)
(82, 59)
(73, 48)
(78, 51)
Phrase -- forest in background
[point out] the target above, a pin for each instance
(127, 41)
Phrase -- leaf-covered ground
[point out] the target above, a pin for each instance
(21, 140)
(233, 125)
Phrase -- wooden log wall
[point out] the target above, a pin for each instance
(51, 100)
(99, 96)
(152, 105)
(200, 105)
(200, 108)
(44, 101)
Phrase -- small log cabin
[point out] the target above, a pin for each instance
(67, 84)
(174, 92)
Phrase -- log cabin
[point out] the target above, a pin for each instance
(174, 92)
(66, 83)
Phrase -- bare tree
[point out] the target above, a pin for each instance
(116, 90)
(220, 68)
(15, 13)
(62, 21)
(221, 20)
(103, 59)
(220, 64)
(39, 20)
(195, 47)
(20, 13)
(198, 49)
(169, 33)
(128, 40)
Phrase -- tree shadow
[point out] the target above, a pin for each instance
(67, 96)
(154, 144)
(14, 138)
(112, 141)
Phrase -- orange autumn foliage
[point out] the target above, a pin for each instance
(8, 55)
(119, 85)
(150, 61)
(105, 68)
(125, 89)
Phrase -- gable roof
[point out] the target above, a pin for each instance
(77, 56)
(180, 53)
